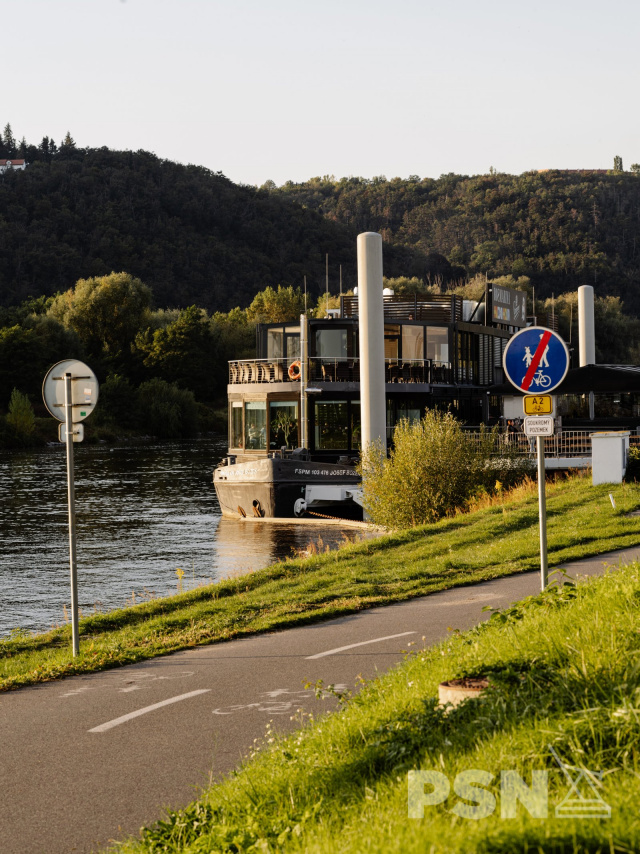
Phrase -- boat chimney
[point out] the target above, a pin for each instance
(371, 328)
(586, 326)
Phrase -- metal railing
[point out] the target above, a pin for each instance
(565, 443)
(338, 370)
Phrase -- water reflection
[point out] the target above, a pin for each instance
(142, 512)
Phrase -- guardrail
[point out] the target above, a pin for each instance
(337, 370)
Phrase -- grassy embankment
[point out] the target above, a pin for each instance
(564, 669)
(496, 540)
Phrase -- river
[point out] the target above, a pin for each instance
(143, 512)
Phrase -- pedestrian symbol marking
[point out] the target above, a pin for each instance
(536, 359)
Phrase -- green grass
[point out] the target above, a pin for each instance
(564, 668)
(496, 540)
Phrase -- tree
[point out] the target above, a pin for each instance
(617, 164)
(271, 306)
(9, 141)
(184, 352)
(106, 313)
(635, 168)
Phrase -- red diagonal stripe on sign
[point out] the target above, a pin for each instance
(537, 356)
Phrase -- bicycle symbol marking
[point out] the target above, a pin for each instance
(540, 379)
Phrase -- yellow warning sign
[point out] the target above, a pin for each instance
(538, 404)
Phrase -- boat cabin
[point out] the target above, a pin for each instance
(303, 388)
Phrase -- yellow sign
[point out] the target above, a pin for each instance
(538, 404)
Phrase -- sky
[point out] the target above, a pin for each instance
(287, 90)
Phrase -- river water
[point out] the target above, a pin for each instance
(143, 511)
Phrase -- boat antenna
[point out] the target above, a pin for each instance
(327, 279)
(340, 279)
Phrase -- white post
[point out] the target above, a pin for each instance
(586, 326)
(68, 411)
(304, 379)
(542, 511)
(371, 327)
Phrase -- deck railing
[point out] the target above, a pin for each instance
(337, 370)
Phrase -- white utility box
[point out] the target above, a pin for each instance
(609, 456)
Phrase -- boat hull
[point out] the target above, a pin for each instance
(270, 487)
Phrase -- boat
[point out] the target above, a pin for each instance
(295, 426)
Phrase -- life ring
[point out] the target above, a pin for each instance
(295, 370)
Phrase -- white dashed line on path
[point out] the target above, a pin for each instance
(147, 709)
(353, 645)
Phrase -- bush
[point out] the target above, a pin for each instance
(633, 465)
(20, 416)
(434, 469)
(167, 411)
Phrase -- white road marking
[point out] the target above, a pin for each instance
(136, 714)
(353, 645)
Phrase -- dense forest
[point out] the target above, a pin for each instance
(560, 229)
(190, 234)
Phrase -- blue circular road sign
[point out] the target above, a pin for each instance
(536, 360)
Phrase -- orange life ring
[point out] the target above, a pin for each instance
(295, 370)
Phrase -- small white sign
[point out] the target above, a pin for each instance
(539, 425)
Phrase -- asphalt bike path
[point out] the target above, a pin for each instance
(92, 758)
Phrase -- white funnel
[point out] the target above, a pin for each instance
(586, 326)
(371, 326)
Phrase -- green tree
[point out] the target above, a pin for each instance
(635, 168)
(20, 416)
(167, 411)
(270, 306)
(617, 164)
(185, 352)
(106, 313)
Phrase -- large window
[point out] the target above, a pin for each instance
(283, 424)
(274, 343)
(332, 425)
(237, 435)
(331, 343)
(412, 342)
(391, 341)
(255, 425)
(293, 343)
(438, 344)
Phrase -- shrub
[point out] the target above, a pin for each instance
(20, 416)
(633, 464)
(433, 470)
(167, 411)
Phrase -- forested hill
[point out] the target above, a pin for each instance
(562, 229)
(192, 235)
(195, 237)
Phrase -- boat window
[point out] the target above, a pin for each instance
(332, 425)
(331, 343)
(274, 343)
(438, 344)
(255, 425)
(293, 343)
(237, 433)
(356, 428)
(391, 341)
(283, 423)
(412, 342)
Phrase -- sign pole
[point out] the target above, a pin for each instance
(68, 411)
(542, 510)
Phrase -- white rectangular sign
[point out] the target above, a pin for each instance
(539, 425)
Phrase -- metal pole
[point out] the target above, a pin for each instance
(304, 379)
(542, 508)
(68, 411)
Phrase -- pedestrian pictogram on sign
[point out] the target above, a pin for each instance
(536, 360)
(537, 404)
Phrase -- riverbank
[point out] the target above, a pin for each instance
(492, 541)
(550, 750)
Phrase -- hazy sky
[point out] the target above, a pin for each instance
(287, 89)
